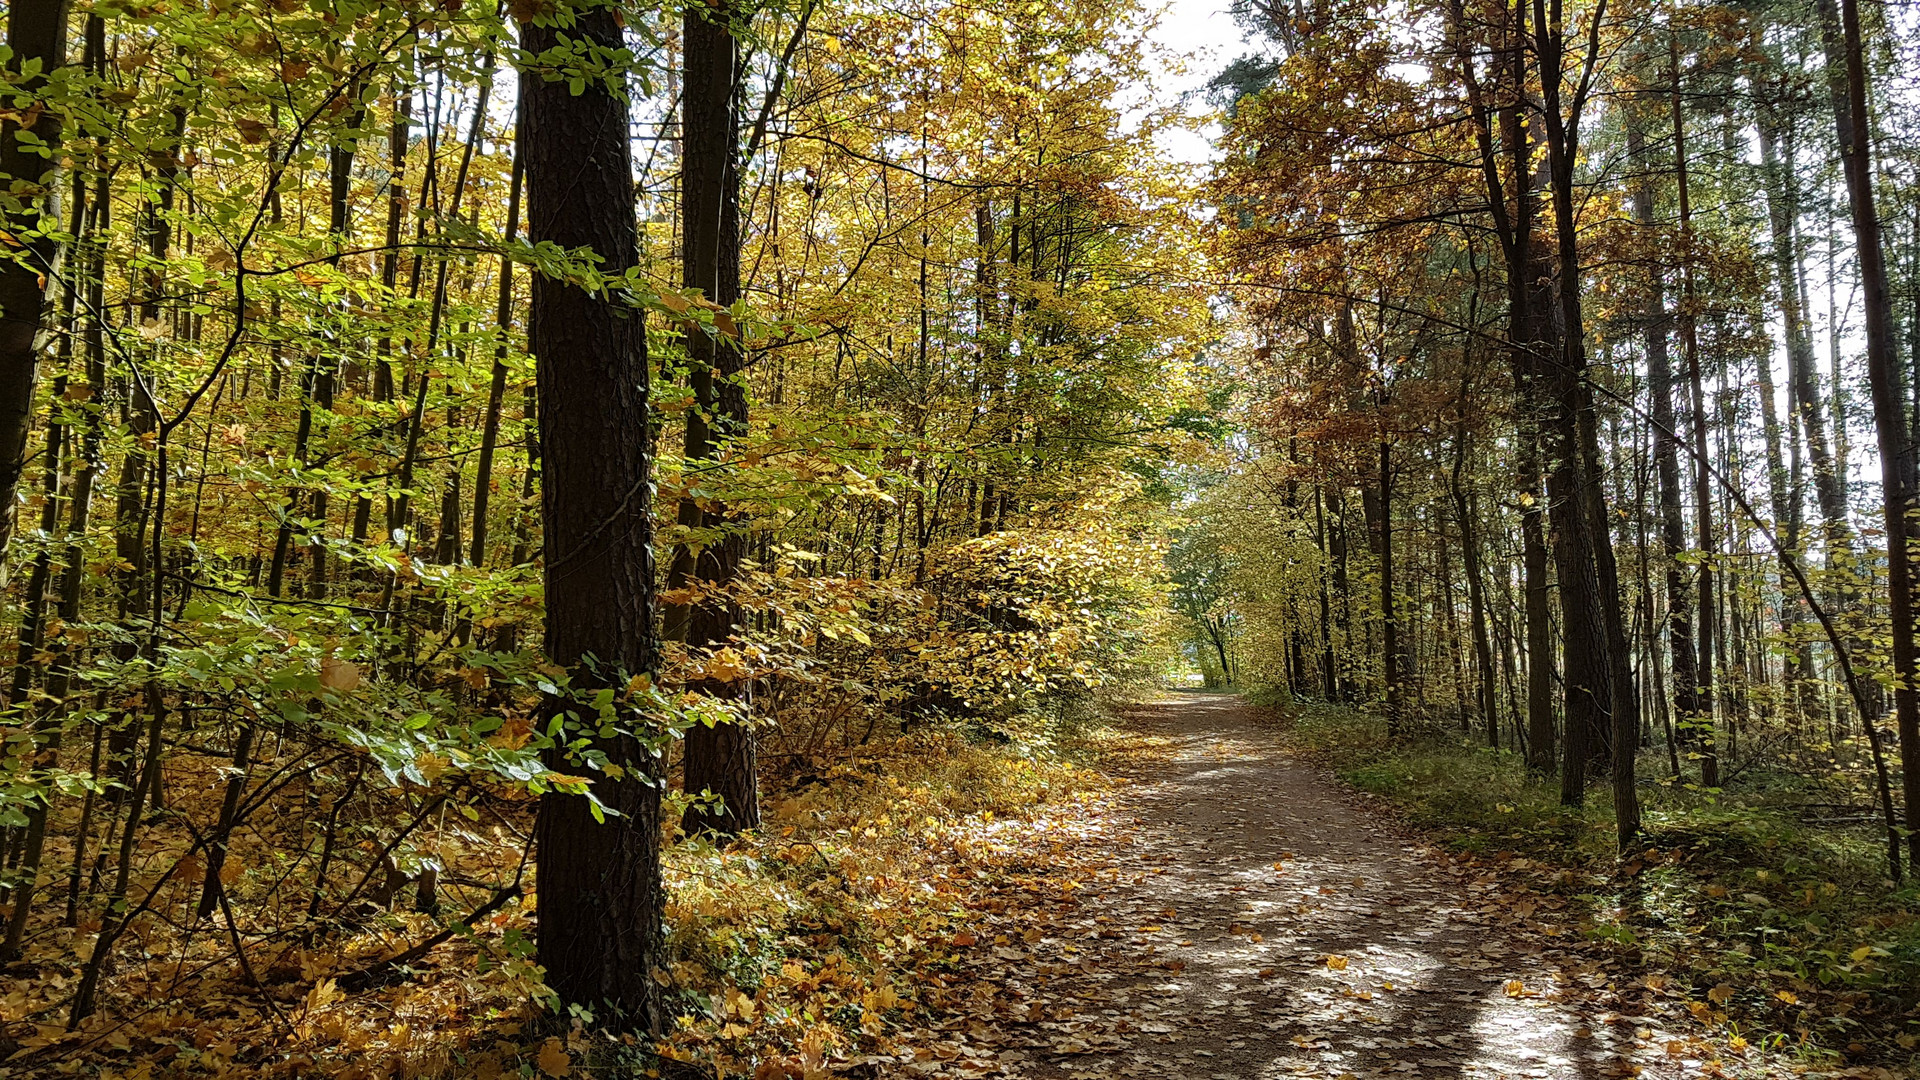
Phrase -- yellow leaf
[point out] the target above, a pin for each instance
(553, 1059)
(1336, 963)
(324, 993)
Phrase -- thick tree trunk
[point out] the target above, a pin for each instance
(36, 32)
(1594, 630)
(601, 898)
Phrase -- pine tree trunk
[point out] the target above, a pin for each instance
(36, 32)
(721, 759)
(601, 898)
(1897, 457)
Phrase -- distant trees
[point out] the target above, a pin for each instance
(1565, 189)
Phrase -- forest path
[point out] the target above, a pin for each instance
(1261, 923)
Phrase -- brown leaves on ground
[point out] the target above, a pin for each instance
(935, 908)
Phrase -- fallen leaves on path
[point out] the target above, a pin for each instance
(1181, 952)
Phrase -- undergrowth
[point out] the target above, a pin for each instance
(1767, 924)
(825, 936)
(829, 936)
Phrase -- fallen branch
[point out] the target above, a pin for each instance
(378, 974)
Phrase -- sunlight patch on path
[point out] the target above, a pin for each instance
(1257, 924)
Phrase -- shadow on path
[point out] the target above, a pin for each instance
(1256, 923)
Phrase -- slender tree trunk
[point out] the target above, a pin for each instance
(497, 388)
(721, 759)
(1666, 460)
(1329, 682)
(340, 224)
(1897, 459)
(1377, 501)
(383, 383)
(1799, 695)
(1702, 718)
(1498, 109)
(1337, 548)
(1476, 595)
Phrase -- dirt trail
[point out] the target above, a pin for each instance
(1362, 955)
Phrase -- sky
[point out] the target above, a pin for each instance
(1202, 36)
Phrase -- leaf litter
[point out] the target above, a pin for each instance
(1204, 904)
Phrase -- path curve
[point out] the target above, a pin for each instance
(1262, 923)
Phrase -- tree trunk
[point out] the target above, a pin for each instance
(1377, 502)
(601, 898)
(1498, 107)
(721, 759)
(36, 32)
(1702, 719)
(497, 387)
(1666, 459)
(1337, 551)
(1799, 695)
(1476, 595)
(1593, 630)
(1897, 464)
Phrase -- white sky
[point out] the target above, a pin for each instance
(1198, 39)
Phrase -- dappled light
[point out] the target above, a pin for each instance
(1042, 539)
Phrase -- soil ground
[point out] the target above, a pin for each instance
(1257, 920)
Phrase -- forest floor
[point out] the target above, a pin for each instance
(1257, 919)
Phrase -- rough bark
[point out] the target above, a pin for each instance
(30, 203)
(1594, 633)
(599, 881)
(721, 759)
(1897, 452)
